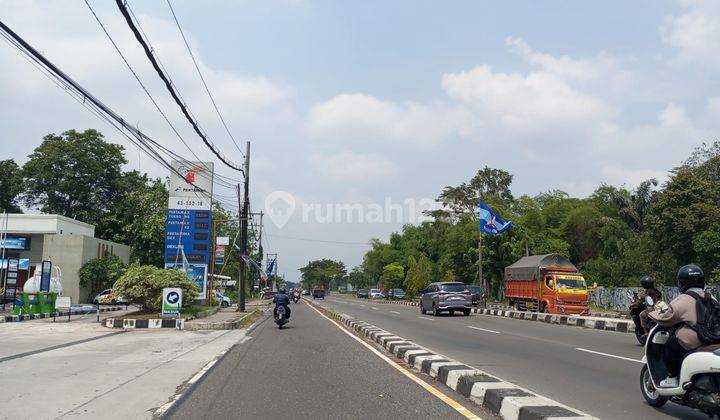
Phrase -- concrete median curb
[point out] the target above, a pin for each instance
(28, 317)
(130, 323)
(606, 324)
(503, 398)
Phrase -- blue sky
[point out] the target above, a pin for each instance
(360, 102)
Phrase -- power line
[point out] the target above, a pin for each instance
(142, 85)
(141, 140)
(84, 98)
(207, 89)
(148, 52)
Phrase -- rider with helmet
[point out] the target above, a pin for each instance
(281, 299)
(649, 289)
(682, 312)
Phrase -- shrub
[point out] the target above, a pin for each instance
(100, 273)
(143, 285)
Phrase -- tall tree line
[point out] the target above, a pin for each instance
(615, 236)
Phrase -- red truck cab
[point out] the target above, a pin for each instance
(546, 283)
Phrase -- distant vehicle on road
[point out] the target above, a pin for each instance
(306, 292)
(546, 283)
(376, 294)
(363, 293)
(396, 294)
(476, 295)
(222, 300)
(318, 292)
(448, 296)
(106, 297)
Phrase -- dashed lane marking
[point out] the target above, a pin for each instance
(483, 329)
(426, 318)
(608, 355)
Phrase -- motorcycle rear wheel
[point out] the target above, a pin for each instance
(648, 389)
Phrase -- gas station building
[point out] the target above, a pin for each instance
(66, 242)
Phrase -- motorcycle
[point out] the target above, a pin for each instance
(635, 309)
(280, 316)
(296, 296)
(699, 380)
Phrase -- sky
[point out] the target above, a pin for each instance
(359, 113)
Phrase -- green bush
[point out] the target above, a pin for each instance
(100, 273)
(143, 285)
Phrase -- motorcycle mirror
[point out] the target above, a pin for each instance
(649, 301)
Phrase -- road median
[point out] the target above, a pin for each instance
(503, 398)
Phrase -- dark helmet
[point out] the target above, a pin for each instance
(647, 282)
(283, 291)
(690, 276)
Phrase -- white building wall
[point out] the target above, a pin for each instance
(46, 224)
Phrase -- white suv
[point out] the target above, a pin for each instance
(376, 294)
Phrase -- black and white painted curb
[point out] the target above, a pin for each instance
(609, 324)
(28, 317)
(178, 324)
(503, 398)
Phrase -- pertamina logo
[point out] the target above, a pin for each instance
(192, 172)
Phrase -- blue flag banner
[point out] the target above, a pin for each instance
(270, 268)
(491, 223)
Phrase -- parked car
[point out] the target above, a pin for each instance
(446, 296)
(106, 297)
(376, 294)
(396, 294)
(476, 295)
(222, 300)
(363, 293)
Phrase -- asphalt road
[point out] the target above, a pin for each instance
(562, 363)
(309, 370)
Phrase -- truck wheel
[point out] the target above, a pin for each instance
(466, 312)
(452, 312)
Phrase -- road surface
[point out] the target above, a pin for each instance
(310, 370)
(593, 371)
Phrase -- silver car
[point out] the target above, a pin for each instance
(446, 296)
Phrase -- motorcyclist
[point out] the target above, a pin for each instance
(649, 289)
(281, 299)
(682, 310)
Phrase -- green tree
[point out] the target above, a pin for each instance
(325, 272)
(101, 273)
(10, 186)
(359, 278)
(392, 276)
(139, 218)
(75, 175)
(143, 284)
(419, 275)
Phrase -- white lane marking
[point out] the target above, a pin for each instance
(426, 318)
(429, 388)
(394, 312)
(374, 308)
(608, 355)
(483, 329)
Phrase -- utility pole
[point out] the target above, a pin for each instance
(244, 215)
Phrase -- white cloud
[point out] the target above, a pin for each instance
(349, 166)
(364, 117)
(695, 33)
(526, 104)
